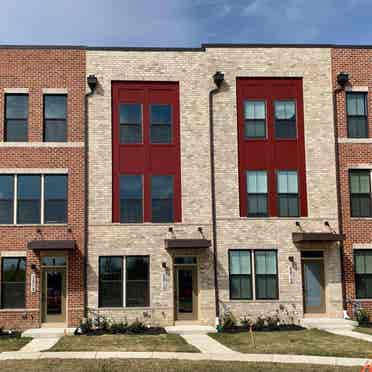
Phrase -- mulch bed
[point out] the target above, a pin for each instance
(280, 328)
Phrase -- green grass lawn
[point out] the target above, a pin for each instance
(124, 343)
(113, 365)
(366, 330)
(306, 342)
(12, 343)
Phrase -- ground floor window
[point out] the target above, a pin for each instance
(13, 282)
(363, 273)
(124, 281)
(265, 274)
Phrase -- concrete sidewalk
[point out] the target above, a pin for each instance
(233, 357)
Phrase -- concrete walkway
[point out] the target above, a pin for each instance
(233, 357)
(39, 344)
(354, 334)
(207, 344)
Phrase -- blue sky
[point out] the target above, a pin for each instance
(184, 23)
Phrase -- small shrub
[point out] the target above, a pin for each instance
(362, 316)
(228, 321)
(137, 327)
(119, 328)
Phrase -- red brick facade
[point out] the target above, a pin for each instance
(352, 154)
(36, 70)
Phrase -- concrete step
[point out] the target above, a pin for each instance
(48, 332)
(329, 323)
(190, 329)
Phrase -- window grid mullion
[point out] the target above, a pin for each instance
(124, 275)
(42, 201)
(15, 198)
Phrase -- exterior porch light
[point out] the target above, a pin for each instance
(218, 78)
(92, 82)
(342, 79)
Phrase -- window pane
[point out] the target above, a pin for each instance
(357, 127)
(360, 182)
(137, 277)
(355, 104)
(111, 283)
(55, 130)
(13, 282)
(6, 199)
(285, 110)
(161, 123)
(255, 128)
(55, 194)
(287, 182)
(28, 203)
(240, 287)
(130, 123)
(240, 262)
(161, 133)
(265, 262)
(288, 205)
(54, 261)
(131, 205)
(254, 110)
(266, 287)
(161, 114)
(363, 284)
(162, 198)
(55, 106)
(257, 182)
(16, 106)
(16, 131)
(257, 205)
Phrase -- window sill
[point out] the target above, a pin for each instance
(254, 301)
(124, 308)
(41, 144)
(35, 225)
(14, 310)
(361, 218)
(145, 223)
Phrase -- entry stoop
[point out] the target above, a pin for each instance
(190, 329)
(48, 332)
(329, 324)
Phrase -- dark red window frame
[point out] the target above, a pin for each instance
(269, 153)
(146, 158)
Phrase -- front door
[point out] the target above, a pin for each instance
(54, 295)
(186, 293)
(313, 286)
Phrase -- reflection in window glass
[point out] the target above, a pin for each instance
(357, 119)
(16, 117)
(255, 119)
(6, 199)
(240, 274)
(266, 276)
(257, 197)
(28, 199)
(55, 118)
(288, 200)
(110, 281)
(162, 198)
(137, 281)
(285, 119)
(13, 282)
(55, 199)
(161, 123)
(130, 115)
(131, 203)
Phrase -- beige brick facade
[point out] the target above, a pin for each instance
(193, 70)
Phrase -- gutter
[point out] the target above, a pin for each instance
(218, 80)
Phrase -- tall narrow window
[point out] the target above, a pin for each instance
(130, 115)
(288, 205)
(162, 198)
(360, 193)
(6, 199)
(266, 275)
(55, 118)
(161, 123)
(137, 281)
(285, 119)
(357, 121)
(55, 199)
(131, 202)
(13, 282)
(240, 275)
(255, 119)
(28, 199)
(16, 117)
(363, 273)
(257, 193)
(110, 281)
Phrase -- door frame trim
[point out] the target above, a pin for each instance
(323, 307)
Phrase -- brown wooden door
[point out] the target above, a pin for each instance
(313, 286)
(186, 293)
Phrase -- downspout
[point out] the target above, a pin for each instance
(92, 83)
(218, 79)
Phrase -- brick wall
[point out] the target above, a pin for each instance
(353, 153)
(37, 70)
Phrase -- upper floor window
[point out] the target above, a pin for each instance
(240, 273)
(13, 283)
(55, 118)
(257, 194)
(130, 116)
(33, 199)
(16, 117)
(285, 119)
(357, 119)
(131, 198)
(161, 123)
(363, 273)
(162, 198)
(255, 119)
(288, 205)
(360, 193)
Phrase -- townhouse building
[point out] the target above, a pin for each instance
(204, 199)
(351, 69)
(42, 186)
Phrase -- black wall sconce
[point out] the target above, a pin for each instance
(291, 259)
(92, 82)
(164, 265)
(33, 267)
(342, 79)
(218, 79)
